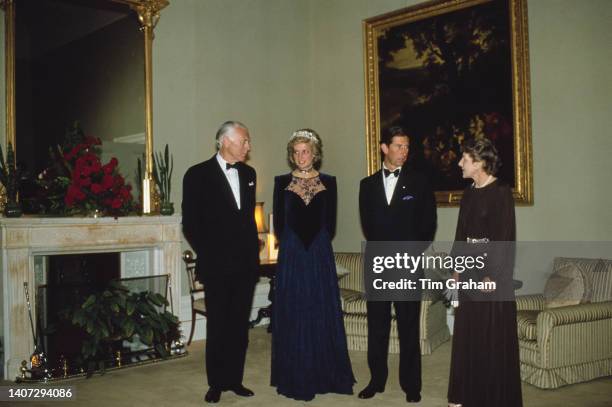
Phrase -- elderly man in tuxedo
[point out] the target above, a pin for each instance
(219, 224)
(395, 204)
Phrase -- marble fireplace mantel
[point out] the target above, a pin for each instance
(24, 238)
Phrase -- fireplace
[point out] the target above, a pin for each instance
(25, 241)
(69, 280)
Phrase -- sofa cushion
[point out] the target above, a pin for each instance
(347, 295)
(355, 306)
(526, 324)
(353, 263)
(566, 286)
(585, 265)
(601, 281)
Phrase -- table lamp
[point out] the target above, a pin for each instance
(261, 224)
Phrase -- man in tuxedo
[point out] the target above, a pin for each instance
(396, 204)
(219, 224)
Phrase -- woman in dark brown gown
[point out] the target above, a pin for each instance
(485, 369)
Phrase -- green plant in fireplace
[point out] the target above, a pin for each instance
(115, 314)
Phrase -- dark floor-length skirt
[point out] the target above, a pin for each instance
(309, 350)
(485, 368)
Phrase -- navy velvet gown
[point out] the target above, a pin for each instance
(309, 351)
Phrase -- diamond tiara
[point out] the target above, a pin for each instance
(306, 134)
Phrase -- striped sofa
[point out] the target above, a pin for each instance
(433, 328)
(570, 341)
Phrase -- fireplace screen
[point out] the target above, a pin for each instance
(91, 324)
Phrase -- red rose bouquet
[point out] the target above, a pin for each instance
(77, 182)
(93, 186)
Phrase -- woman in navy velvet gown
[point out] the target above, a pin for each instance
(309, 351)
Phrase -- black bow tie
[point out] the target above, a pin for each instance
(389, 172)
(234, 165)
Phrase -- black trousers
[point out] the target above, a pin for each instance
(228, 305)
(379, 327)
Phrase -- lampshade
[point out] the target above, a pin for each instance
(272, 247)
(259, 218)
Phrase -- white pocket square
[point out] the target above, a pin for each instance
(407, 198)
(252, 183)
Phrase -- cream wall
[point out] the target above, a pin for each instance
(571, 109)
(244, 60)
(338, 101)
(278, 65)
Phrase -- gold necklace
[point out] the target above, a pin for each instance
(305, 173)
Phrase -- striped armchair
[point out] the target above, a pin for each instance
(433, 328)
(568, 341)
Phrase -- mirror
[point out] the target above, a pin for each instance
(81, 60)
(78, 61)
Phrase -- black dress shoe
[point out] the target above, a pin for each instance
(240, 390)
(212, 395)
(413, 399)
(369, 392)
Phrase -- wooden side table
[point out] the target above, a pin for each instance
(267, 268)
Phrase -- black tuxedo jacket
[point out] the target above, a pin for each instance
(223, 236)
(411, 216)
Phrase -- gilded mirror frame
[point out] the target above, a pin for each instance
(375, 29)
(148, 12)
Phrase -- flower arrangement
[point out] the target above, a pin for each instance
(78, 182)
(94, 186)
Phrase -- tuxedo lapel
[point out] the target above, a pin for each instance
(244, 187)
(226, 189)
(379, 188)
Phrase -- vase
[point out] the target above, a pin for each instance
(167, 208)
(12, 210)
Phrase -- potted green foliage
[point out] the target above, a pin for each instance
(162, 173)
(115, 314)
(9, 177)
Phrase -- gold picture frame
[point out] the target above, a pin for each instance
(148, 12)
(447, 71)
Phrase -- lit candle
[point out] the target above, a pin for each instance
(146, 195)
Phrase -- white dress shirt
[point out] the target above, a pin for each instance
(389, 182)
(232, 177)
